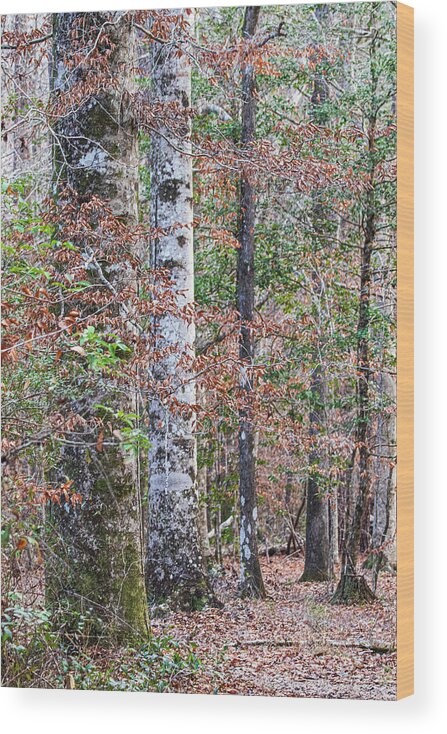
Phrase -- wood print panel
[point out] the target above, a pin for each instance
(207, 254)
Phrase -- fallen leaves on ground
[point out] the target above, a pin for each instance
(294, 643)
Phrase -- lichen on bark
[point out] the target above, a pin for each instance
(174, 565)
(95, 548)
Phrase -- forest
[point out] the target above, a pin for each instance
(199, 350)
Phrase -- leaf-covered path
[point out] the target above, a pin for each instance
(292, 644)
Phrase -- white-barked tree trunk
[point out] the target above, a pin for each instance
(174, 567)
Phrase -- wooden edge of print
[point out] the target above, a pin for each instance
(405, 353)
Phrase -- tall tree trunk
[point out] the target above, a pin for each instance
(251, 582)
(352, 587)
(317, 560)
(96, 559)
(174, 567)
(317, 549)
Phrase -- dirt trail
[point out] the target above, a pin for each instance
(292, 644)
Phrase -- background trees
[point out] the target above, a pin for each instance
(202, 282)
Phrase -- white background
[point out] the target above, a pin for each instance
(70, 711)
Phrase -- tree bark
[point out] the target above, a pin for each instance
(251, 582)
(317, 549)
(352, 587)
(317, 562)
(96, 549)
(174, 567)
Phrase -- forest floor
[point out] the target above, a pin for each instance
(294, 643)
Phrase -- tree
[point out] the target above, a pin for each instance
(352, 586)
(175, 573)
(317, 559)
(96, 554)
(251, 583)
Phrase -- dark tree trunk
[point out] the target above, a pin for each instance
(251, 582)
(317, 549)
(352, 588)
(95, 559)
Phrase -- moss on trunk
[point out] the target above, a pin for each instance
(352, 589)
(95, 554)
(95, 549)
